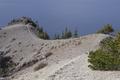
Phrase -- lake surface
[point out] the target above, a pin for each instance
(54, 15)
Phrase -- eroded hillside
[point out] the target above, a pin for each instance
(38, 59)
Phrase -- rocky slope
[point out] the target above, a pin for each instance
(61, 59)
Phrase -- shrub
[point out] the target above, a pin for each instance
(48, 54)
(13, 39)
(107, 57)
(106, 29)
(23, 20)
(43, 35)
(40, 66)
(101, 60)
(6, 64)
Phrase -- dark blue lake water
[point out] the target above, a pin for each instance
(85, 15)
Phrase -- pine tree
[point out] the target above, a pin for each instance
(75, 34)
(63, 35)
(69, 34)
(56, 36)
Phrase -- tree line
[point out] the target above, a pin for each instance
(67, 33)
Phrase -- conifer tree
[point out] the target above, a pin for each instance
(75, 35)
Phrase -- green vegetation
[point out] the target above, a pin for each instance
(40, 66)
(66, 34)
(108, 56)
(106, 29)
(6, 65)
(75, 34)
(42, 34)
(23, 20)
(26, 20)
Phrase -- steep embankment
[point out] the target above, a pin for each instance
(67, 61)
(18, 42)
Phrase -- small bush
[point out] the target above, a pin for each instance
(108, 56)
(43, 35)
(40, 66)
(48, 54)
(6, 64)
(13, 39)
(101, 60)
(23, 20)
(106, 29)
